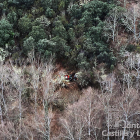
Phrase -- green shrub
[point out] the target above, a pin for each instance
(27, 94)
(24, 25)
(131, 47)
(28, 44)
(84, 78)
(21, 3)
(50, 13)
(38, 33)
(12, 17)
(138, 49)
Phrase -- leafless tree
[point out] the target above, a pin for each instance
(130, 19)
(80, 119)
(11, 82)
(129, 86)
(35, 82)
(112, 23)
(106, 86)
(125, 2)
(43, 122)
(36, 72)
(3, 78)
(17, 79)
(73, 126)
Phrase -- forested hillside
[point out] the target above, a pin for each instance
(69, 69)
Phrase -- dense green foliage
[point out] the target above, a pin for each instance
(62, 28)
(6, 34)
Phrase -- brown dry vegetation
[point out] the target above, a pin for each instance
(35, 106)
(68, 112)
